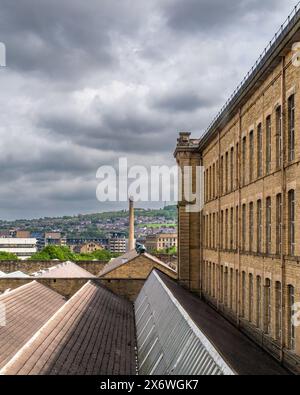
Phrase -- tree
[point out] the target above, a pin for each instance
(50, 253)
(60, 253)
(8, 256)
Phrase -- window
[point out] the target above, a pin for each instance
(243, 294)
(250, 297)
(222, 230)
(214, 280)
(210, 231)
(291, 224)
(232, 169)
(231, 290)
(251, 226)
(214, 181)
(222, 285)
(278, 137)
(259, 150)
(206, 185)
(226, 173)
(291, 326)
(259, 226)
(209, 278)
(217, 178)
(291, 128)
(236, 289)
(268, 144)
(237, 163)
(244, 228)
(251, 155)
(222, 176)
(278, 301)
(210, 184)
(268, 225)
(237, 227)
(226, 229)
(207, 233)
(268, 308)
(214, 230)
(231, 228)
(226, 286)
(279, 224)
(204, 276)
(244, 161)
(258, 301)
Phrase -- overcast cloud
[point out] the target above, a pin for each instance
(89, 81)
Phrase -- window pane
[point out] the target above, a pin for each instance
(291, 127)
(268, 145)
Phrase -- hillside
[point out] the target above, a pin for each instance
(97, 224)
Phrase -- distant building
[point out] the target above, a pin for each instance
(78, 242)
(23, 248)
(161, 241)
(40, 237)
(23, 234)
(118, 245)
(55, 238)
(4, 233)
(90, 247)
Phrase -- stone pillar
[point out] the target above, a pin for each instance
(189, 237)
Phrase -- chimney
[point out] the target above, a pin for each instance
(131, 244)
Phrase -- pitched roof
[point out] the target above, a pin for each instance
(64, 270)
(25, 310)
(93, 334)
(17, 274)
(128, 257)
(238, 352)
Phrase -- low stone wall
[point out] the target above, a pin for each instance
(167, 258)
(67, 287)
(29, 267)
(126, 288)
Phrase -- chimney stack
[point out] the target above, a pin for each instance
(131, 243)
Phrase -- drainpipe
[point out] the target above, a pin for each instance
(239, 220)
(283, 221)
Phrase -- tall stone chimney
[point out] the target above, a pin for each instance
(131, 243)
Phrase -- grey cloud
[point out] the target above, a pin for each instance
(182, 101)
(66, 38)
(90, 81)
(213, 16)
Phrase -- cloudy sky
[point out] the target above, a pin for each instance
(90, 81)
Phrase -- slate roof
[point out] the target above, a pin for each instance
(27, 308)
(17, 274)
(128, 257)
(242, 355)
(64, 270)
(93, 334)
